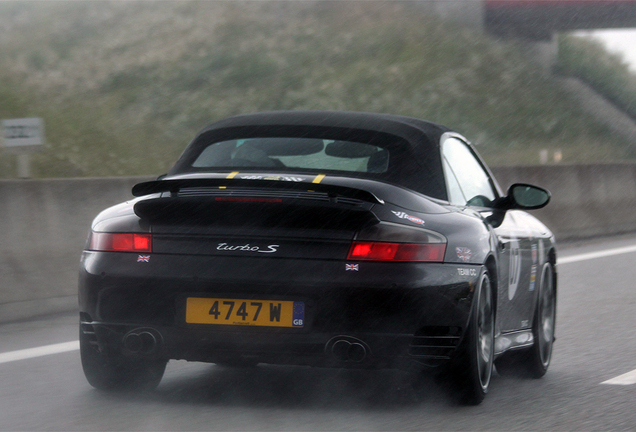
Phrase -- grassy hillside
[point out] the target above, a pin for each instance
(587, 59)
(123, 86)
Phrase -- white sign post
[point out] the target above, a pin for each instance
(23, 137)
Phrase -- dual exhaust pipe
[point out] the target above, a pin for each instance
(347, 349)
(343, 349)
(145, 341)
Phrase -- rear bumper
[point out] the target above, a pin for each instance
(314, 349)
(382, 315)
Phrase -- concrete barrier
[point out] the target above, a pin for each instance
(587, 200)
(44, 225)
(45, 222)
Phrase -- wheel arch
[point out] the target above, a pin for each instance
(552, 259)
(491, 267)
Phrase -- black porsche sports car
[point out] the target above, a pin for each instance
(335, 239)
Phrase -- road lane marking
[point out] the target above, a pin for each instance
(625, 379)
(628, 378)
(38, 351)
(594, 255)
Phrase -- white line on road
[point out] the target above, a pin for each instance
(38, 351)
(593, 255)
(625, 379)
(629, 377)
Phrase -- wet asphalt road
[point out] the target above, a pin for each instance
(595, 342)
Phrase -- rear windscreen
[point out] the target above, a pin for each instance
(307, 153)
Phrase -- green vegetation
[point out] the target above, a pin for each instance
(123, 86)
(588, 60)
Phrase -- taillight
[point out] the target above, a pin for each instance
(382, 251)
(120, 242)
(387, 241)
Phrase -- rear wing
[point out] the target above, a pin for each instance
(174, 186)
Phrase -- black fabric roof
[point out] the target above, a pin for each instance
(414, 131)
(415, 160)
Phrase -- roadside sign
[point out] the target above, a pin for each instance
(23, 135)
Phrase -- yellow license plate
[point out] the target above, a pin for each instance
(268, 313)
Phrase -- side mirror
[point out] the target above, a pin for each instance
(524, 197)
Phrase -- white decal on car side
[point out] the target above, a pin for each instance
(515, 269)
(408, 217)
(469, 272)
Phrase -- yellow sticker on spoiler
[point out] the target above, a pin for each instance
(231, 175)
(318, 178)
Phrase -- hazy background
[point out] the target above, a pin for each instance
(124, 86)
(618, 41)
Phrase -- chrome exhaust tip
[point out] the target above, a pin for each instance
(347, 349)
(144, 341)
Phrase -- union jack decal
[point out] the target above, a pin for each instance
(352, 267)
(463, 253)
(143, 258)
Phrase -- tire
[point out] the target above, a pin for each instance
(111, 371)
(543, 327)
(473, 370)
(534, 362)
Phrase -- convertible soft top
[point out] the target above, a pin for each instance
(414, 131)
(414, 143)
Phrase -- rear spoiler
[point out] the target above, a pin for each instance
(173, 186)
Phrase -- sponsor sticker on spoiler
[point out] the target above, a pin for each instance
(234, 174)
